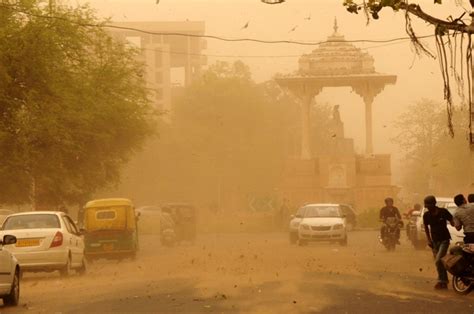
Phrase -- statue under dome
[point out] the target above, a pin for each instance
(337, 126)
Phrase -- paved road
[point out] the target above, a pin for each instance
(258, 273)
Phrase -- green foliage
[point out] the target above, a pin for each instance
(232, 129)
(369, 218)
(225, 144)
(434, 162)
(73, 105)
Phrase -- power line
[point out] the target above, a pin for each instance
(214, 37)
(251, 56)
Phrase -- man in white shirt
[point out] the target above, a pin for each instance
(464, 218)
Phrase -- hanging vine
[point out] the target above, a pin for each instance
(451, 52)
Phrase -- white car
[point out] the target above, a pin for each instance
(9, 273)
(4, 213)
(322, 222)
(295, 224)
(418, 237)
(46, 241)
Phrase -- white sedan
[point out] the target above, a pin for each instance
(4, 213)
(46, 241)
(9, 273)
(322, 222)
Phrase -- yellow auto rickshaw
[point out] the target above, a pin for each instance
(110, 228)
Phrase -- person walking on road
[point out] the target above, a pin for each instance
(437, 233)
(464, 218)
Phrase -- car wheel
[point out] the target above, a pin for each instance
(14, 297)
(83, 269)
(302, 242)
(66, 270)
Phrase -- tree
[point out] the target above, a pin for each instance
(232, 133)
(433, 161)
(449, 33)
(74, 105)
(227, 138)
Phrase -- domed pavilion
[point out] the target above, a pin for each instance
(338, 175)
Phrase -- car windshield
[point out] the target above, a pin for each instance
(36, 221)
(321, 211)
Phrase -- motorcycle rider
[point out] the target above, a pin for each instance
(464, 218)
(438, 236)
(389, 211)
(416, 207)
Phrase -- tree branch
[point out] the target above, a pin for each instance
(455, 25)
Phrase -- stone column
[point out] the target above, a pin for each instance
(306, 127)
(369, 140)
(368, 90)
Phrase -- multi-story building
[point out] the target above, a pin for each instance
(171, 51)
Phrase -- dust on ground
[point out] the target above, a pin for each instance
(257, 273)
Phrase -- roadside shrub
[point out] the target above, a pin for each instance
(369, 218)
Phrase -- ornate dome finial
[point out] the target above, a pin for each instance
(335, 25)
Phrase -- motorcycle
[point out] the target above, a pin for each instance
(462, 268)
(168, 237)
(391, 233)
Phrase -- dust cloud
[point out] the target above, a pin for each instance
(234, 141)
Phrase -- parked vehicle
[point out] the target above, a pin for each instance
(347, 213)
(46, 241)
(110, 229)
(295, 224)
(417, 229)
(391, 233)
(350, 216)
(4, 213)
(168, 237)
(9, 273)
(185, 219)
(322, 222)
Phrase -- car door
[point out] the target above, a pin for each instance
(77, 241)
(69, 239)
(5, 270)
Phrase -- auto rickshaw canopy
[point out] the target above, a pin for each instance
(109, 214)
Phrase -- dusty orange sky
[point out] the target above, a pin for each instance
(417, 77)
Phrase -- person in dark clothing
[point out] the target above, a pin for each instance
(470, 198)
(389, 211)
(437, 233)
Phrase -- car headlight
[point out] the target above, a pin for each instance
(295, 224)
(338, 226)
(305, 227)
